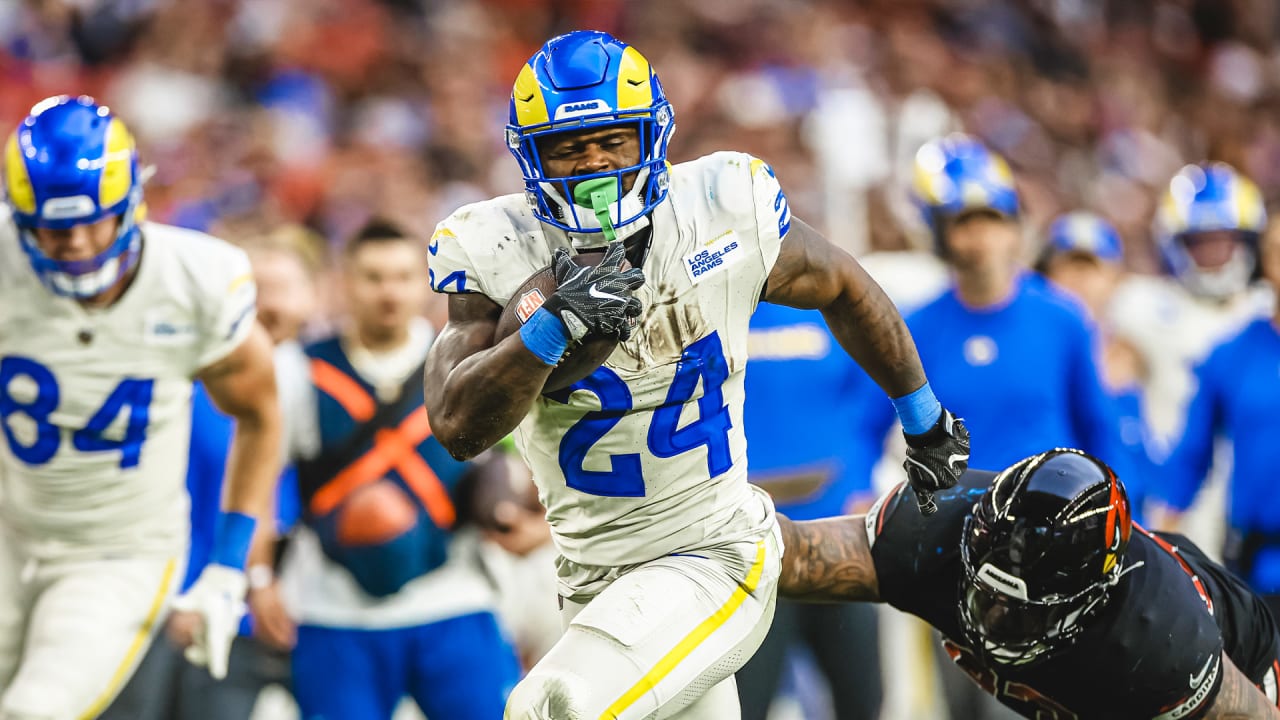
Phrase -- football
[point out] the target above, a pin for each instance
(581, 359)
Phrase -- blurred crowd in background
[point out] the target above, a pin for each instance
(299, 120)
(322, 112)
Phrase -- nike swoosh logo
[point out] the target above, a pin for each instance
(1199, 677)
(596, 292)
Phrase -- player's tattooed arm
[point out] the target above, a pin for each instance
(478, 391)
(827, 561)
(1240, 699)
(812, 273)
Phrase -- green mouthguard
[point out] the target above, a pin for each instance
(599, 194)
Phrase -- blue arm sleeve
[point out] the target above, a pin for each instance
(1188, 463)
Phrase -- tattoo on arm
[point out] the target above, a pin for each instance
(812, 273)
(827, 561)
(1239, 698)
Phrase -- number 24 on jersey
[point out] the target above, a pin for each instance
(703, 360)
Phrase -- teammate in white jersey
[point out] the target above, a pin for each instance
(1206, 227)
(106, 321)
(669, 558)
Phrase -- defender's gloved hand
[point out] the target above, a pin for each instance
(595, 300)
(218, 597)
(936, 458)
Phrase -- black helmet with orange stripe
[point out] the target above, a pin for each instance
(1042, 550)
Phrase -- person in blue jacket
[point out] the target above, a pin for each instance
(1019, 354)
(816, 426)
(1238, 397)
(1015, 356)
(1084, 256)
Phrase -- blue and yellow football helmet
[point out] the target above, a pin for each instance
(1207, 198)
(589, 79)
(1085, 232)
(955, 174)
(72, 162)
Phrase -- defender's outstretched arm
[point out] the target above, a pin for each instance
(1240, 699)
(827, 560)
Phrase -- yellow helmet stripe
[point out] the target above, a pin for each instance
(117, 168)
(531, 107)
(635, 88)
(1248, 204)
(927, 184)
(17, 182)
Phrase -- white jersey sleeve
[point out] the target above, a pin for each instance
(490, 248)
(773, 213)
(229, 303)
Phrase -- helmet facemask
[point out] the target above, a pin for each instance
(88, 278)
(72, 163)
(1206, 199)
(1041, 552)
(1005, 625)
(582, 82)
(627, 210)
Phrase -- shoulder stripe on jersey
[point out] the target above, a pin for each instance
(343, 388)
(1186, 567)
(874, 520)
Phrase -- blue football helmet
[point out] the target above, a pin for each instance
(72, 162)
(1206, 198)
(956, 174)
(1085, 232)
(589, 79)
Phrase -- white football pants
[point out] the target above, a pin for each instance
(661, 641)
(72, 632)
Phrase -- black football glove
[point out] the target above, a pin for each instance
(598, 300)
(935, 459)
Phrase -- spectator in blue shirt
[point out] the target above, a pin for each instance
(1019, 354)
(1083, 256)
(1016, 354)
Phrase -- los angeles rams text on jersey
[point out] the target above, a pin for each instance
(94, 403)
(646, 456)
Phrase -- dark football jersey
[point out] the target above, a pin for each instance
(1153, 651)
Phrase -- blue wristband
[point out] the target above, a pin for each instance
(231, 538)
(545, 336)
(918, 411)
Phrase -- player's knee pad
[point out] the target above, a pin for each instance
(550, 695)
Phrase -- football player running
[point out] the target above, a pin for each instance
(1051, 598)
(106, 321)
(668, 557)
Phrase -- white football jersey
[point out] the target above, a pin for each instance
(1175, 331)
(646, 456)
(95, 403)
